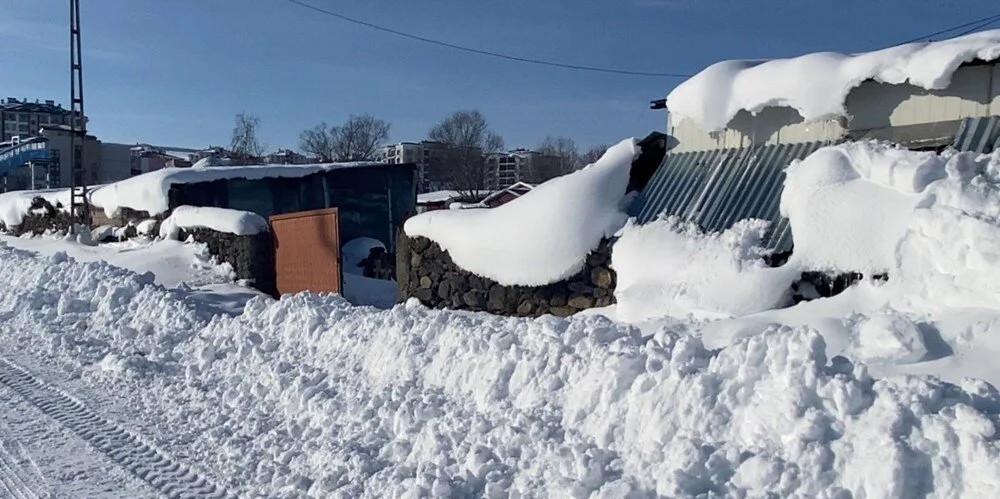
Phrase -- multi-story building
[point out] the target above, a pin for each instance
(521, 165)
(20, 118)
(427, 155)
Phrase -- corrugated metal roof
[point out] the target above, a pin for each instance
(980, 135)
(718, 188)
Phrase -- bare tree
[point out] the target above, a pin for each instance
(593, 154)
(469, 140)
(319, 141)
(245, 147)
(564, 150)
(359, 138)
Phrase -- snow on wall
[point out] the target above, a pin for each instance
(149, 192)
(238, 222)
(816, 85)
(669, 267)
(543, 236)
(15, 205)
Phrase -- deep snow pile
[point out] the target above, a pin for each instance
(238, 222)
(309, 396)
(816, 85)
(543, 236)
(669, 267)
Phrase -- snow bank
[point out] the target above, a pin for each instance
(669, 267)
(15, 205)
(308, 396)
(849, 205)
(931, 221)
(240, 223)
(543, 236)
(149, 192)
(816, 85)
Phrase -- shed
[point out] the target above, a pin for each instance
(737, 125)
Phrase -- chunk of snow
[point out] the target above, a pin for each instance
(817, 85)
(543, 236)
(238, 222)
(149, 192)
(145, 227)
(669, 267)
(890, 337)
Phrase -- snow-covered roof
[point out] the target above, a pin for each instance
(817, 85)
(543, 236)
(149, 192)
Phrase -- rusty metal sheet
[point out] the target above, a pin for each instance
(307, 251)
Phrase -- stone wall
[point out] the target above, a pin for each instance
(42, 217)
(252, 257)
(426, 272)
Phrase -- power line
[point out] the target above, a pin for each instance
(498, 55)
(987, 20)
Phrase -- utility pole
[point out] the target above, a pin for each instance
(79, 207)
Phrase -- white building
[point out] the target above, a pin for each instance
(425, 154)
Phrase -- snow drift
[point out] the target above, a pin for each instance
(669, 267)
(816, 85)
(308, 396)
(543, 236)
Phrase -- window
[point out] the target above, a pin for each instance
(22, 128)
(22, 117)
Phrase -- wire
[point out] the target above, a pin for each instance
(977, 28)
(485, 52)
(988, 20)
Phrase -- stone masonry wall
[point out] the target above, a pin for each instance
(252, 257)
(426, 272)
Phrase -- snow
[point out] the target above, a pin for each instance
(149, 192)
(817, 85)
(437, 196)
(543, 236)
(238, 222)
(15, 205)
(309, 396)
(669, 267)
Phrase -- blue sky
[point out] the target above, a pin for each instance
(175, 72)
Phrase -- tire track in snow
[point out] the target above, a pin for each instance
(146, 462)
(19, 477)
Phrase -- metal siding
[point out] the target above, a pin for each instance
(717, 188)
(978, 134)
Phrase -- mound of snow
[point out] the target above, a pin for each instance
(849, 205)
(309, 397)
(816, 85)
(238, 222)
(543, 236)
(890, 337)
(669, 267)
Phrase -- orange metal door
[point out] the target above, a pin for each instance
(307, 251)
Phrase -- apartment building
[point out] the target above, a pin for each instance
(21, 118)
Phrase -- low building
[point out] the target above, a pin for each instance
(506, 195)
(730, 148)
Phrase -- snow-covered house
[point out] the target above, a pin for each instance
(739, 124)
